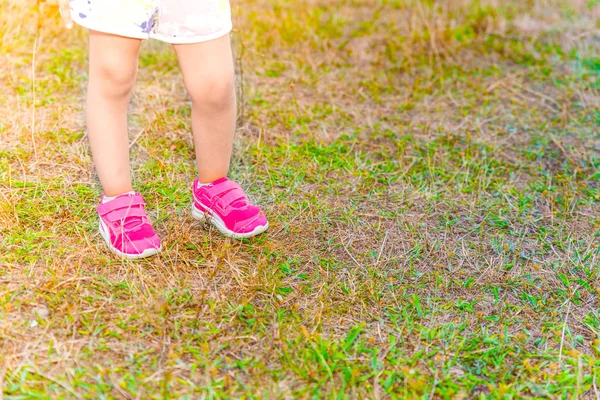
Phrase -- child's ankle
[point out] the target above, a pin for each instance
(106, 199)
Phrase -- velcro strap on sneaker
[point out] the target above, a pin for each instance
(123, 213)
(222, 187)
(126, 202)
(232, 196)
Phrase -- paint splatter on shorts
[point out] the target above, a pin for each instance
(172, 21)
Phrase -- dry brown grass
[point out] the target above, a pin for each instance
(431, 174)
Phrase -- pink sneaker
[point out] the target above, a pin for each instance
(225, 205)
(126, 228)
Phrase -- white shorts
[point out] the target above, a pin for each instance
(172, 21)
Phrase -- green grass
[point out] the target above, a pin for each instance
(431, 172)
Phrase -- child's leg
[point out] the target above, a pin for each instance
(112, 74)
(208, 75)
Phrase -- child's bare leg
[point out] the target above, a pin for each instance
(112, 74)
(208, 75)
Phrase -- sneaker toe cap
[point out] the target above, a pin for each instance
(141, 242)
(254, 219)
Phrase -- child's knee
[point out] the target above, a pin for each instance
(214, 92)
(115, 78)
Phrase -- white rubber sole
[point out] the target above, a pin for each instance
(220, 225)
(144, 254)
